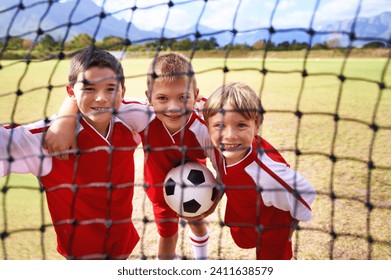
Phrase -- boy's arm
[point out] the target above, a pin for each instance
(285, 189)
(136, 113)
(61, 134)
(21, 150)
(60, 137)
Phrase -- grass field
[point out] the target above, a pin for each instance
(340, 228)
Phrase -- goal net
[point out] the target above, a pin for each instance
(321, 69)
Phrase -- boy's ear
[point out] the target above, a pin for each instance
(123, 92)
(197, 94)
(71, 92)
(148, 96)
(257, 128)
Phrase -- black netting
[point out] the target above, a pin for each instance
(346, 151)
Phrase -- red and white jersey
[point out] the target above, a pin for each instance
(164, 150)
(89, 195)
(264, 194)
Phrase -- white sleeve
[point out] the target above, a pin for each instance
(136, 114)
(283, 187)
(200, 130)
(21, 151)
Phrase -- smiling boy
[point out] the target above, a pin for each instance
(265, 198)
(175, 135)
(89, 195)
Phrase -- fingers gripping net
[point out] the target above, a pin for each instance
(325, 109)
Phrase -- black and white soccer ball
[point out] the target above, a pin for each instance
(190, 189)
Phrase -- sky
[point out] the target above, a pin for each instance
(220, 14)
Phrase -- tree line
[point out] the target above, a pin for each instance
(47, 44)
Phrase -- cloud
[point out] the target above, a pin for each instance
(241, 15)
(294, 14)
(374, 7)
(185, 16)
(220, 14)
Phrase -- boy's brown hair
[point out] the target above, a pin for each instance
(94, 57)
(240, 96)
(170, 67)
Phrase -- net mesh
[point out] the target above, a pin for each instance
(345, 152)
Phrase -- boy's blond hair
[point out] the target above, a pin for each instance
(170, 67)
(240, 96)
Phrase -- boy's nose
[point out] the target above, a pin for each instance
(100, 96)
(229, 132)
(174, 107)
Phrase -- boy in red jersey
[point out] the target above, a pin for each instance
(90, 194)
(265, 198)
(175, 134)
(172, 92)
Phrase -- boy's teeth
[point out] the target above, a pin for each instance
(229, 145)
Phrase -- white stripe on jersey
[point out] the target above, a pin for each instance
(275, 194)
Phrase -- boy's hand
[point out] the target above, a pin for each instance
(206, 213)
(293, 227)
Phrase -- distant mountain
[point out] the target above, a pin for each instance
(374, 28)
(85, 19)
(378, 26)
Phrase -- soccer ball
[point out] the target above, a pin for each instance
(190, 189)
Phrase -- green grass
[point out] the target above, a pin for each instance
(358, 102)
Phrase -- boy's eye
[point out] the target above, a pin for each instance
(161, 98)
(242, 125)
(219, 126)
(88, 89)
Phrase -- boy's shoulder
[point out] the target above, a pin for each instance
(135, 101)
(268, 149)
(136, 113)
(118, 122)
(135, 104)
(196, 116)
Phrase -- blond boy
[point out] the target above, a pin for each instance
(265, 198)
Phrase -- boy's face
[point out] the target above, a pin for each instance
(232, 133)
(173, 102)
(98, 96)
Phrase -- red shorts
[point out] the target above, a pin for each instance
(165, 218)
(95, 241)
(271, 244)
